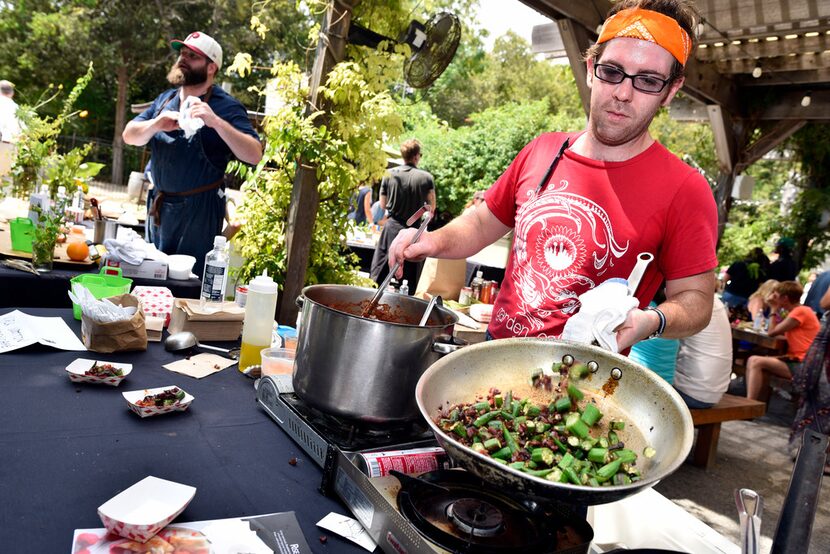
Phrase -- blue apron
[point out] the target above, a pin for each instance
(188, 223)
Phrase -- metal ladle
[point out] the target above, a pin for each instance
(185, 340)
(435, 300)
(409, 222)
(643, 259)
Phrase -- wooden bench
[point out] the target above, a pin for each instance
(730, 408)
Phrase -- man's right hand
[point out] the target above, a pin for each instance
(166, 121)
(400, 250)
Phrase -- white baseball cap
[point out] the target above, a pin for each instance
(203, 44)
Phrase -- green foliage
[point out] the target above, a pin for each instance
(38, 159)
(807, 220)
(50, 226)
(346, 149)
(477, 80)
(472, 157)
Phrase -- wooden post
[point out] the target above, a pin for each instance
(305, 197)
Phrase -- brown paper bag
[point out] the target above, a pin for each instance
(442, 277)
(117, 336)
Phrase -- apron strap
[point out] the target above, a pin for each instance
(155, 207)
(552, 166)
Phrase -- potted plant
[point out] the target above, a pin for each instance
(50, 226)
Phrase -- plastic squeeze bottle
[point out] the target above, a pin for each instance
(258, 326)
(216, 272)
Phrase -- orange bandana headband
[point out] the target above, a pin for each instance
(651, 26)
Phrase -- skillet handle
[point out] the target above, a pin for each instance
(300, 301)
(448, 345)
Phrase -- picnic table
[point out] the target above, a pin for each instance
(748, 342)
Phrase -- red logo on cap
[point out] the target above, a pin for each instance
(193, 35)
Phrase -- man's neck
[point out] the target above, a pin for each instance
(589, 146)
(196, 90)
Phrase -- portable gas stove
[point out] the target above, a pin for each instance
(443, 511)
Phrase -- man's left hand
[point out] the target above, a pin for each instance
(638, 325)
(203, 111)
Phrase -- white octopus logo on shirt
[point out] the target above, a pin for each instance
(548, 269)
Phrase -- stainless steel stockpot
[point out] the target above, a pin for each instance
(360, 368)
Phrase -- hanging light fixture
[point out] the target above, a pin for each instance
(806, 100)
(757, 72)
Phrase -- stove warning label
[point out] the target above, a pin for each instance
(354, 498)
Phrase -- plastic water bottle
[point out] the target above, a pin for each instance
(78, 198)
(258, 327)
(476, 284)
(758, 321)
(216, 272)
(404, 287)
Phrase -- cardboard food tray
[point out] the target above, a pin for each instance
(60, 249)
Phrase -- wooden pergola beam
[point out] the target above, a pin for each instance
(770, 138)
(576, 41)
(764, 49)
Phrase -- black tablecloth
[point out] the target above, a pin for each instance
(49, 290)
(66, 448)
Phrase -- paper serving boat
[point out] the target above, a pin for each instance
(77, 369)
(144, 509)
(134, 396)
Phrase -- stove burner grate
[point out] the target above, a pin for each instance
(475, 517)
(460, 513)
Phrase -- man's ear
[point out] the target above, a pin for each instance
(215, 69)
(589, 73)
(674, 87)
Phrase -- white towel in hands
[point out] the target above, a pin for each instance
(604, 308)
(188, 123)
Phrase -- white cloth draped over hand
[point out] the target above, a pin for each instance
(604, 308)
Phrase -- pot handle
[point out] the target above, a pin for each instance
(447, 344)
(300, 301)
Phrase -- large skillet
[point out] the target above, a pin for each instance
(642, 398)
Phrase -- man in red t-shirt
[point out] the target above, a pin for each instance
(799, 326)
(585, 205)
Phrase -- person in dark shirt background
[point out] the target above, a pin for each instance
(742, 278)
(784, 268)
(816, 292)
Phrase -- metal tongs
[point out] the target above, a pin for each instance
(750, 505)
(409, 222)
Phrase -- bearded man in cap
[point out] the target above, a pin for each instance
(584, 205)
(186, 207)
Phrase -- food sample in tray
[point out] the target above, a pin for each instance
(167, 397)
(560, 434)
(83, 370)
(100, 369)
(162, 400)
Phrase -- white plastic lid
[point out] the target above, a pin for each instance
(480, 274)
(263, 284)
(219, 240)
(405, 282)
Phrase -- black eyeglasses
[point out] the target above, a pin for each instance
(643, 83)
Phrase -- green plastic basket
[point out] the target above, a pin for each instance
(22, 230)
(102, 285)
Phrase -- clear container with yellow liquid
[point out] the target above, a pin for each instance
(260, 308)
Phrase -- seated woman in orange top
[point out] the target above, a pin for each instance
(797, 323)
